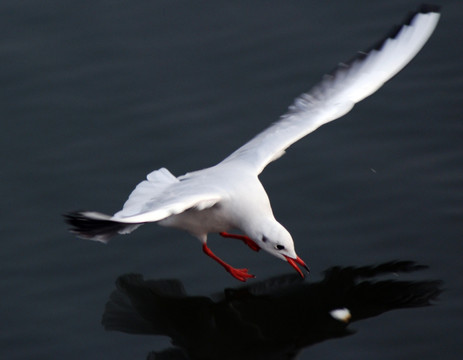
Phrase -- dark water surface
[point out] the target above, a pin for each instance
(97, 94)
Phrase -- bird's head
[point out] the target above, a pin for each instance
(276, 240)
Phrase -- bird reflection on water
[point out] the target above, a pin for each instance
(272, 319)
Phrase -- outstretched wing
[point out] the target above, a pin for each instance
(158, 197)
(338, 92)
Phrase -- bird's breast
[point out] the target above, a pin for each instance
(200, 222)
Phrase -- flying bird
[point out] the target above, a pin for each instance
(229, 195)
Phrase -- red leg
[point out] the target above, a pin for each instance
(251, 243)
(240, 274)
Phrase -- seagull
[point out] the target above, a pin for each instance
(229, 195)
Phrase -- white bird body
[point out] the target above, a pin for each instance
(241, 198)
(229, 195)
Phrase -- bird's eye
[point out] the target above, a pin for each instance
(264, 239)
(280, 247)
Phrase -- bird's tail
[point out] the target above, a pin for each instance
(96, 226)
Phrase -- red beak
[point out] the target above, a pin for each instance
(294, 262)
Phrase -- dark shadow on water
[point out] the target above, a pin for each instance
(271, 319)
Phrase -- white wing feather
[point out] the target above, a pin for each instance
(163, 195)
(337, 93)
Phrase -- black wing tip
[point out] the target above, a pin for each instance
(76, 218)
(391, 34)
(71, 217)
(78, 222)
(429, 8)
(72, 214)
(423, 9)
(91, 228)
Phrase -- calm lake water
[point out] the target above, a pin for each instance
(96, 94)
